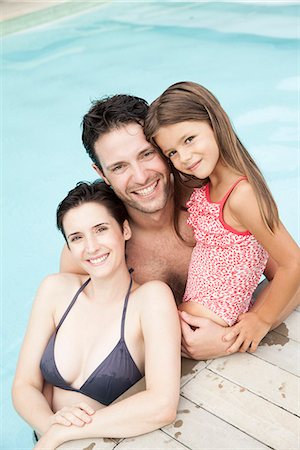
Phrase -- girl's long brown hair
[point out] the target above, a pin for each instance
(185, 101)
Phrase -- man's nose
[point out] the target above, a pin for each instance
(139, 174)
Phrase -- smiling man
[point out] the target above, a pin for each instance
(114, 139)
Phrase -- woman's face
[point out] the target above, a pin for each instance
(95, 238)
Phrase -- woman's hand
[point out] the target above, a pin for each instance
(77, 415)
(49, 439)
(248, 331)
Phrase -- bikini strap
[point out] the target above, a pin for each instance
(72, 302)
(125, 307)
(223, 201)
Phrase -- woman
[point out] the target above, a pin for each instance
(93, 337)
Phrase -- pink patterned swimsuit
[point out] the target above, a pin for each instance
(226, 264)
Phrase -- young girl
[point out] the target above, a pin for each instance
(233, 214)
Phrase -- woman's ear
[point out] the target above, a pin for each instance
(126, 230)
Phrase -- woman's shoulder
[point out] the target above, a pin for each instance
(155, 294)
(57, 285)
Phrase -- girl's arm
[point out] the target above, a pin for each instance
(28, 398)
(255, 324)
(156, 405)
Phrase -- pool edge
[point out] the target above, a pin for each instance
(46, 15)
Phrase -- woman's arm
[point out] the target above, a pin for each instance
(156, 405)
(254, 325)
(28, 398)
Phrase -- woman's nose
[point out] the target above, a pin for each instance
(92, 244)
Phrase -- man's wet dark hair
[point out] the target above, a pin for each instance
(108, 114)
(96, 192)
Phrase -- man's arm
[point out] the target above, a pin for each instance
(206, 340)
(68, 264)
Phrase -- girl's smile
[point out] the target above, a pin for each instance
(191, 146)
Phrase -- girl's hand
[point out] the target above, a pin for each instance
(77, 415)
(248, 331)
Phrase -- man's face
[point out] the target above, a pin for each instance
(136, 172)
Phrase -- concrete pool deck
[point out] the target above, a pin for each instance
(20, 15)
(242, 401)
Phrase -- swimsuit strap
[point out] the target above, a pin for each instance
(125, 307)
(72, 302)
(231, 189)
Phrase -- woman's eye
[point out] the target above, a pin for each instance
(75, 238)
(189, 139)
(100, 229)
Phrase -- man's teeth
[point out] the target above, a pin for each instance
(147, 190)
(99, 260)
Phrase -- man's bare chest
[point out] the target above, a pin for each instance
(160, 256)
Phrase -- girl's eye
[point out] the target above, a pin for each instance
(189, 139)
(171, 153)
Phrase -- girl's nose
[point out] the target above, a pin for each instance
(185, 155)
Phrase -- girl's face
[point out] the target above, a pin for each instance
(95, 238)
(191, 146)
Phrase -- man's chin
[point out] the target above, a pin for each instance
(149, 207)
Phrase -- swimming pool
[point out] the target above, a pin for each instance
(246, 54)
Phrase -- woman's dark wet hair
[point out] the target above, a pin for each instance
(96, 192)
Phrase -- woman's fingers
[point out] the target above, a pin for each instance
(61, 420)
(85, 407)
(75, 415)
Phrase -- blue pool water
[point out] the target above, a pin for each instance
(245, 53)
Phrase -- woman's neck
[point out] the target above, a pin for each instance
(110, 288)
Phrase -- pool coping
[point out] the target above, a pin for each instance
(45, 15)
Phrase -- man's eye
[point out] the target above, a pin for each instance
(117, 168)
(148, 153)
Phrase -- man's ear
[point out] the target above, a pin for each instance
(126, 230)
(100, 173)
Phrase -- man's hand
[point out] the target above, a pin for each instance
(247, 333)
(204, 340)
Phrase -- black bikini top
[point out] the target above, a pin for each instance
(117, 373)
